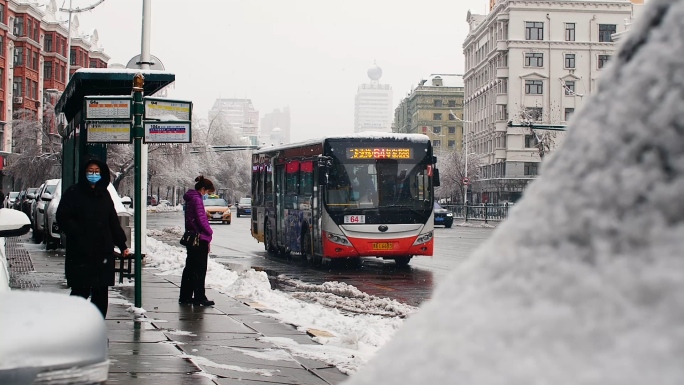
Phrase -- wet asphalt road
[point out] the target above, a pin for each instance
(234, 246)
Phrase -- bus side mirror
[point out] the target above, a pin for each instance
(435, 177)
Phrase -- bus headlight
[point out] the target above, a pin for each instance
(422, 238)
(339, 239)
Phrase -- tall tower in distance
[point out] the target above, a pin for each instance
(373, 105)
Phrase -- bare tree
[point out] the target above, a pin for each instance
(452, 173)
(37, 151)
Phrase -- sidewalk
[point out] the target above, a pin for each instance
(179, 344)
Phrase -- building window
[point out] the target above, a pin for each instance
(568, 113)
(2, 46)
(534, 60)
(437, 129)
(452, 103)
(72, 58)
(531, 168)
(534, 30)
(606, 32)
(502, 112)
(530, 141)
(451, 144)
(18, 26)
(17, 87)
(28, 89)
(35, 60)
(437, 102)
(437, 143)
(452, 116)
(603, 60)
(533, 114)
(47, 70)
(93, 64)
(534, 87)
(436, 116)
(29, 27)
(570, 88)
(569, 31)
(34, 89)
(2, 79)
(452, 130)
(19, 56)
(36, 34)
(2, 20)
(48, 42)
(569, 60)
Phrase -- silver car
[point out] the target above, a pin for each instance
(41, 204)
(52, 236)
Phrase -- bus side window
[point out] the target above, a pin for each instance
(291, 184)
(306, 179)
(268, 185)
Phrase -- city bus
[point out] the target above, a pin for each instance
(346, 197)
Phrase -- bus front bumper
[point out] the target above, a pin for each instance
(335, 247)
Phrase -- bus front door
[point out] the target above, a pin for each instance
(280, 205)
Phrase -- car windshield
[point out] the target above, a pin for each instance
(246, 201)
(14, 194)
(437, 206)
(51, 188)
(215, 202)
(32, 190)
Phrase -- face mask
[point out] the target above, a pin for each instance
(205, 196)
(93, 177)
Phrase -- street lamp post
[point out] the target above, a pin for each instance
(71, 10)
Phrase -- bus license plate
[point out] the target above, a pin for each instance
(354, 219)
(383, 246)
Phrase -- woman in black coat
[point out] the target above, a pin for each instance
(88, 218)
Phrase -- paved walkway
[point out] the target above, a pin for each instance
(179, 344)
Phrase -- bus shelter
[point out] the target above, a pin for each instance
(95, 82)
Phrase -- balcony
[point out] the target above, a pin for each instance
(502, 99)
(501, 126)
(502, 72)
(502, 45)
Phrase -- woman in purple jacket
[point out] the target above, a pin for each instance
(195, 271)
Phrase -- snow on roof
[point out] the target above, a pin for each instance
(447, 80)
(583, 283)
(120, 71)
(415, 138)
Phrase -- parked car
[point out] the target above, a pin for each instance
(443, 217)
(52, 236)
(10, 198)
(16, 205)
(32, 209)
(28, 200)
(164, 203)
(244, 207)
(218, 210)
(68, 347)
(39, 213)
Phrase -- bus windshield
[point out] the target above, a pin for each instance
(378, 183)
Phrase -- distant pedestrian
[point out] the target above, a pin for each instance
(195, 272)
(87, 216)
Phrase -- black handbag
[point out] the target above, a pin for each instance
(190, 239)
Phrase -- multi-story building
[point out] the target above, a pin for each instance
(434, 108)
(33, 63)
(277, 119)
(373, 104)
(530, 61)
(238, 115)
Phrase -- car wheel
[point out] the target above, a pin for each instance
(268, 243)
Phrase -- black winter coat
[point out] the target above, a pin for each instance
(89, 220)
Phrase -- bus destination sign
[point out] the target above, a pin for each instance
(379, 153)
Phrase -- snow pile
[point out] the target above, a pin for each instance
(163, 208)
(357, 335)
(584, 283)
(348, 298)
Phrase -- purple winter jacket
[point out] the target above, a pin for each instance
(196, 216)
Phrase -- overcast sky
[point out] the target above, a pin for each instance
(309, 55)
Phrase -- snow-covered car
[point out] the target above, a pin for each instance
(52, 236)
(244, 207)
(164, 203)
(127, 202)
(39, 212)
(217, 210)
(68, 347)
(443, 217)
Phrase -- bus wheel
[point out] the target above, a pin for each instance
(402, 261)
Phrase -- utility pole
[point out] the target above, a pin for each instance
(145, 65)
(70, 11)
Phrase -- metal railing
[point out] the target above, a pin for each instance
(484, 213)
